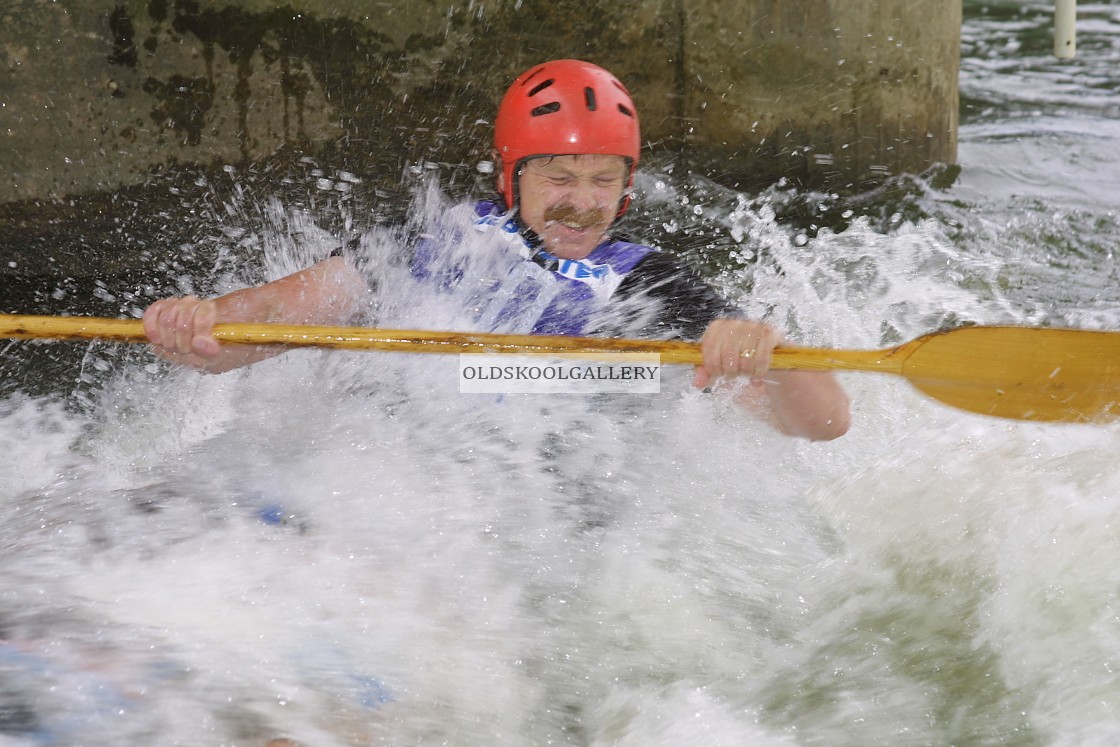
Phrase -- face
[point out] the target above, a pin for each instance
(571, 201)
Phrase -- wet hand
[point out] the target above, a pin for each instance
(180, 329)
(736, 347)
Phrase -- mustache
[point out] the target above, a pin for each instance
(573, 216)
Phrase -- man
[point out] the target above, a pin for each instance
(566, 145)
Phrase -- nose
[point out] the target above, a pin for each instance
(585, 194)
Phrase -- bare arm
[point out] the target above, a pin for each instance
(808, 404)
(329, 292)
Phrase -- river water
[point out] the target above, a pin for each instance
(341, 549)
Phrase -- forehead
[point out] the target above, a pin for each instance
(578, 164)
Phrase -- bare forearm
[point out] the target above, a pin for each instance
(809, 404)
(330, 292)
(326, 293)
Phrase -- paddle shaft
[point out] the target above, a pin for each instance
(422, 341)
(1023, 373)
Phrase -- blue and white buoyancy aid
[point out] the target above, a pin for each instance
(542, 293)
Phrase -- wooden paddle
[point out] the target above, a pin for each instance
(1024, 373)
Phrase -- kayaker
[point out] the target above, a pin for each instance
(566, 147)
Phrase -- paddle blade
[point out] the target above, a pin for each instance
(1049, 375)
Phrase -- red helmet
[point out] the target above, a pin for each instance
(565, 107)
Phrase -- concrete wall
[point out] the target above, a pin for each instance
(838, 93)
(99, 94)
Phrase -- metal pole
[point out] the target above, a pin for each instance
(1065, 33)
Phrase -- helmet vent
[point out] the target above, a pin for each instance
(549, 108)
(589, 97)
(625, 111)
(541, 86)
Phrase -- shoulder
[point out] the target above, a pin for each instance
(656, 269)
(686, 304)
